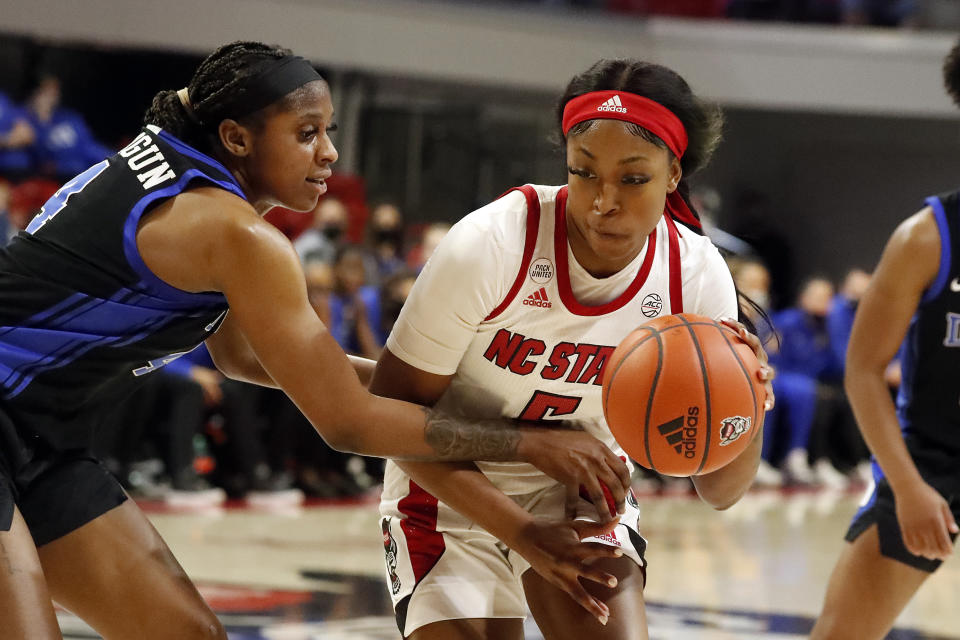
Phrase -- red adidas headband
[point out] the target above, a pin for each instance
(629, 107)
(652, 116)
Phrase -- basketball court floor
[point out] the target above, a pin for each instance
(755, 572)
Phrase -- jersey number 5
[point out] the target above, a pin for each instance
(58, 201)
(547, 405)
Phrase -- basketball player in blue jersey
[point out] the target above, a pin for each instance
(907, 524)
(136, 261)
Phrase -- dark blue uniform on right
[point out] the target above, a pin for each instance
(928, 405)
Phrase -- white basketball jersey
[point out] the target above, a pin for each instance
(539, 351)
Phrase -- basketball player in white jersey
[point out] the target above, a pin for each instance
(515, 315)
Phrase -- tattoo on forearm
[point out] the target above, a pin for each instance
(465, 439)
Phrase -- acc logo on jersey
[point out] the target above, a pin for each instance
(652, 305)
(541, 271)
(732, 428)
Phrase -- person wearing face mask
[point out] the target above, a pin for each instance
(385, 242)
(322, 240)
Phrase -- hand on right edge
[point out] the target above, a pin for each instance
(555, 551)
(926, 521)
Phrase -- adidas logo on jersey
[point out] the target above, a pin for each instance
(538, 299)
(613, 104)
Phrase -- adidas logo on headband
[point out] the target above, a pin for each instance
(613, 104)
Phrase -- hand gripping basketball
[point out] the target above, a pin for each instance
(683, 395)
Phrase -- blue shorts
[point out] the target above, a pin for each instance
(941, 470)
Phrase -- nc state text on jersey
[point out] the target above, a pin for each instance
(581, 363)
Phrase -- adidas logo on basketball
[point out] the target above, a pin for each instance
(613, 104)
(682, 434)
(538, 299)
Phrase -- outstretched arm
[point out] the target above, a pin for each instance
(235, 359)
(229, 248)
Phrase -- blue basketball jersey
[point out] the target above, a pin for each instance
(81, 316)
(928, 403)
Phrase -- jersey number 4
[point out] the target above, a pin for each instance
(547, 405)
(58, 201)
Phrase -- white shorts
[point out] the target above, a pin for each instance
(461, 571)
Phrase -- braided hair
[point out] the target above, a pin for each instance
(215, 82)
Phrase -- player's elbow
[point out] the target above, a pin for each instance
(721, 499)
(227, 364)
(344, 430)
(341, 435)
(726, 502)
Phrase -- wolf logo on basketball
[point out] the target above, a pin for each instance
(733, 428)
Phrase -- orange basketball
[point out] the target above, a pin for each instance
(681, 395)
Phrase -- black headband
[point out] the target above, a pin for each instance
(274, 79)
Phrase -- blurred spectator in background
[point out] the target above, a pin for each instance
(842, 309)
(320, 284)
(805, 344)
(707, 202)
(163, 422)
(806, 350)
(385, 241)
(429, 240)
(64, 144)
(27, 198)
(228, 414)
(354, 306)
(788, 425)
(683, 8)
(16, 138)
(881, 13)
(321, 241)
(393, 293)
(7, 228)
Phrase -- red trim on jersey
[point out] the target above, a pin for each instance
(424, 543)
(676, 279)
(529, 244)
(563, 268)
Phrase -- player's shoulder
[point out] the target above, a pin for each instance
(697, 251)
(503, 222)
(223, 217)
(919, 232)
(692, 242)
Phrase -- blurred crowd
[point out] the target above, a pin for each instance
(810, 437)
(882, 13)
(191, 436)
